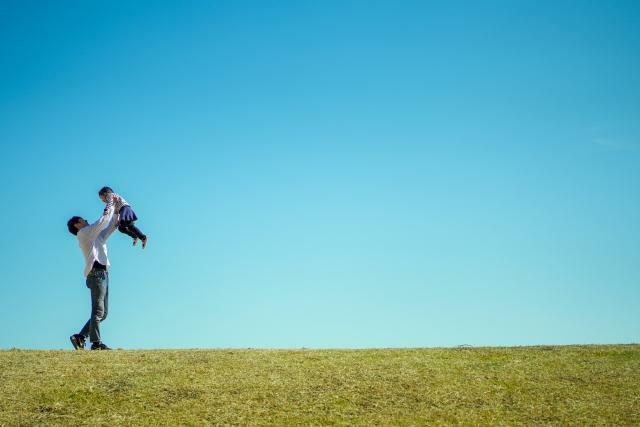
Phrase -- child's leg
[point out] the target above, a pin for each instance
(131, 230)
(125, 227)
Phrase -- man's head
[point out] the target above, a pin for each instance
(104, 193)
(75, 224)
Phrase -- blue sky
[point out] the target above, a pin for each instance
(324, 174)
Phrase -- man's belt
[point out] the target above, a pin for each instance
(98, 266)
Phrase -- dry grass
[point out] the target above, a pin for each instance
(572, 385)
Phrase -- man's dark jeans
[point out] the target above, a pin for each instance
(98, 283)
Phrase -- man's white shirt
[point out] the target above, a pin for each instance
(93, 240)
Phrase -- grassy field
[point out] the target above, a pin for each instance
(571, 385)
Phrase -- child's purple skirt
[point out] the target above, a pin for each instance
(127, 214)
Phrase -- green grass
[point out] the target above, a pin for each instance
(569, 385)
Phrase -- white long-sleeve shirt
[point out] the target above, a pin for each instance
(93, 240)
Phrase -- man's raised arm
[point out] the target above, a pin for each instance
(111, 227)
(92, 231)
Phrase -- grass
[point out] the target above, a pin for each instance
(569, 385)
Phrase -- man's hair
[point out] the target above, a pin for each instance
(71, 225)
(105, 190)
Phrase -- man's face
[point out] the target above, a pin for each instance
(103, 197)
(81, 223)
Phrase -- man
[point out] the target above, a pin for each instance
(92, 239)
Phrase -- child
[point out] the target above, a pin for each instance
(127, 215)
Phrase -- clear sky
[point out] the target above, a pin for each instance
(324, 173)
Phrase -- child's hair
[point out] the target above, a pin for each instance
(105, 190)
(71, 225)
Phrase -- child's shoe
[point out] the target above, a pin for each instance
(144, 242)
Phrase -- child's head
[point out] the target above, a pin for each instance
(104, 193)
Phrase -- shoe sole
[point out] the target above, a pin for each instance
(77, 345)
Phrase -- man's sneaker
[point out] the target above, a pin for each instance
(144, 242)
(99, 346)
(78, 341)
